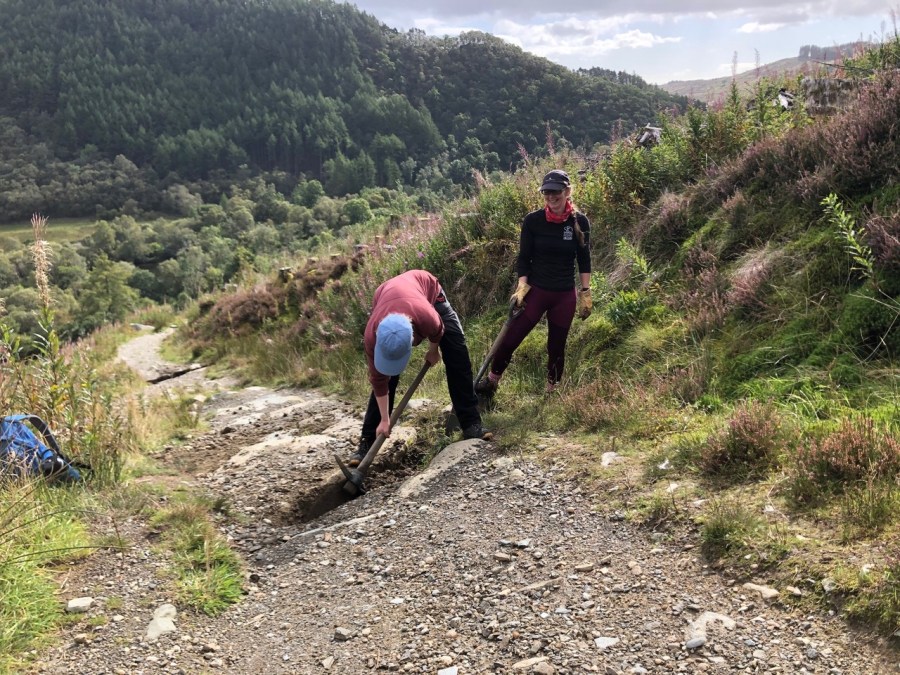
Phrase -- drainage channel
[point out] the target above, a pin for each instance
(172, 374)
(328, 494)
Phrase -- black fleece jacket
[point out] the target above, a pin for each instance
(548, 251)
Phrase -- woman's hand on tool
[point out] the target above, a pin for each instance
(521, 291)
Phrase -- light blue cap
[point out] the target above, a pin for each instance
(393, 344)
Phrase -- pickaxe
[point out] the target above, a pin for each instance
(355, 476)
(514, 311)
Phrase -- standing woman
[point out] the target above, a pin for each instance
(552, 240)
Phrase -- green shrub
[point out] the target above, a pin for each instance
(502, 207)
(855, 451)
(868, 507)
(649, 341)
(627, 308)
(765, 363)
(742, 368)
(824, 261)
(847, 371)
(727, 528)
(709, 403)
(748, 446)
(869, 324)
(877, 597)
(811, 398)
(587, 343)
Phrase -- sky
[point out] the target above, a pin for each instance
(659, 40)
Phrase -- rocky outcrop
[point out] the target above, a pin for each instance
(827, 95)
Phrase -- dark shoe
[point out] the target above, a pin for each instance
(477, 431)
(486, 387)
(361, 452)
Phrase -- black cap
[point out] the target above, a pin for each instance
(555, 180)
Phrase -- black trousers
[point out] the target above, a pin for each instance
(458, 367)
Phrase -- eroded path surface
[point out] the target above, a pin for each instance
(480, 563)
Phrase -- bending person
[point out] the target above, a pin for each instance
(406, 310)
(552, 240)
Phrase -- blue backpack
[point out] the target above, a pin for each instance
(22, 453)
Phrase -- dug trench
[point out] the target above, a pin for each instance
(476, 562)
(274, 455)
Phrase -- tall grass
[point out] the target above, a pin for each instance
(208, 573)
(40, 523)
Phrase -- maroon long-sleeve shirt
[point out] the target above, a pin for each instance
(413, 294)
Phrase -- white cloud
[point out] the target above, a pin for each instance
(570, 23)
(755, 27)
(434, 26)
(583, 39)
(756, 10)
(657, 39)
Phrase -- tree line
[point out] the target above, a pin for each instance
(123, 263)
(200, 90)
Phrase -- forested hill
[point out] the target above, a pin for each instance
(192, 87)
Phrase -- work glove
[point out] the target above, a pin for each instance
(521, 291)
(585, 304)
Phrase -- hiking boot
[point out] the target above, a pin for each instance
(552, 387)
(477, 431)
(486, 387)
(361, 452)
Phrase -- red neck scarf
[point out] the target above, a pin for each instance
(563, 217)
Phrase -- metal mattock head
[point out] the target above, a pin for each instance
(354, 484)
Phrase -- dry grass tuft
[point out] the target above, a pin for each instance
(41, 254)
(704, 299)
(749, 279)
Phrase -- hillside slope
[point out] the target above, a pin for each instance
(810, 61)
(197, 87)
(714, 90)
(743, 346)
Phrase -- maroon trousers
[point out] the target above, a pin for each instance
(559, 306)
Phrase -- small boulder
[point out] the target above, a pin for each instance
(79, 605)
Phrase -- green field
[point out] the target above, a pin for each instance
(58, 229)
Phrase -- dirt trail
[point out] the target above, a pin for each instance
(479, 563)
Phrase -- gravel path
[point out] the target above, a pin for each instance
(142, 355)
(479, 564)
